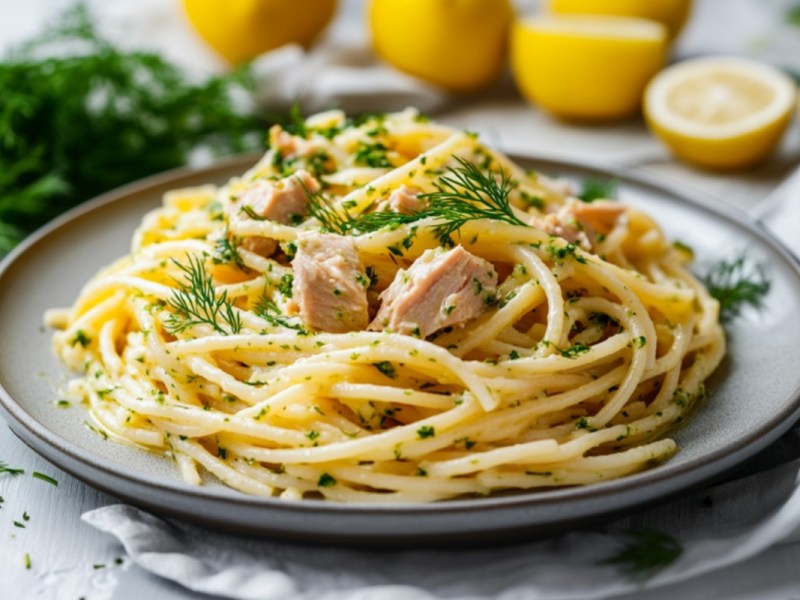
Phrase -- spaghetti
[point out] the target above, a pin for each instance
(386, 310)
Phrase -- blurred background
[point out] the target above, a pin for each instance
(101, 93)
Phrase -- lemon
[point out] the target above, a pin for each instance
(456, 44)
(671, 13)
(720, 112)
(586, 67)
(242, 29)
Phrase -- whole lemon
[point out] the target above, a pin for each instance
(586, 67)
(671, 13)
(242, 29)
(456, 44)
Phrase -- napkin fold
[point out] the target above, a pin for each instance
(717, 528)
(338, 73)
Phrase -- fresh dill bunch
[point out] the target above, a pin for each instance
(464, 194)
(4, 468)
(269, 311)
(73, 126)
(596, 188)
(646, 553)
(196, 302)
(735, 284)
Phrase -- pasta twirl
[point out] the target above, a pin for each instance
(386, 310)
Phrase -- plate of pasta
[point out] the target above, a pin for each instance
(385, 331)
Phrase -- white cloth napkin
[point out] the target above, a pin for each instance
(717, 528)
(338, 73)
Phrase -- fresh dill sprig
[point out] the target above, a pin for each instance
(323, 211)
(735, 284)
(269, 311)
(196, 302)
(466, 194)
(463, 194)
(646, 553)
(596, 188)
(227, 252)
(4, 468)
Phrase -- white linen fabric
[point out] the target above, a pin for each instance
(718, 527)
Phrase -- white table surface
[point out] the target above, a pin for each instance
(66, 554)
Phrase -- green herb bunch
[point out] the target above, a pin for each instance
(74, 126)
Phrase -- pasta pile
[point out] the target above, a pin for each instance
(576, 337)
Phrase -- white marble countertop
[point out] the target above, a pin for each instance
(70, 560)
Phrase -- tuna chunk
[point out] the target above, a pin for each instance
(404, 200)
(291, 146)
(280, 201)
(581, 222)
(329, 283)
(439, 290)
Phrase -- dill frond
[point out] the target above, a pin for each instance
(735, 284)
(4, 468)
(323, 211)
(269, 311)
(196, 302)
(464, 194)
(646, 553)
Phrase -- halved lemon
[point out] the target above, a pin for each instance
(586, 67)
(720, 112)
(672, 13)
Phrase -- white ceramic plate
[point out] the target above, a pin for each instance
(754, 395)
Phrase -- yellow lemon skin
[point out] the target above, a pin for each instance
(240, 30)
(576, 75)
(720, 113)
(673, 14)
(726, 154)
(459, 45)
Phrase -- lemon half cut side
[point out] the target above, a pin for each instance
(720, 112)
(586, 67)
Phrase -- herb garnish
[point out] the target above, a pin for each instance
(43, 477)
(736, 284)
(466, 194)
(646, 553)
(227, 252)
(269, 311)
(595, 188)
(196, 302)
(11, 471)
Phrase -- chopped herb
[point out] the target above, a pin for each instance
(326, 480)
(421, 472)
(646, 553)
(11, 471)
(372, 155)
(80, 338)
(196, 302)
(595, 188)
(98, 566)
(312, 435)
(426, 431)
(18, 524)
(640, 341)
(269, 311)
(735, 284)
(45, 478)
(387, 368)
(574, 351)
(285, 285)
(63, 403)
(27, 561)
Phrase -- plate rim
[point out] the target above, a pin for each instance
(49, 443)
